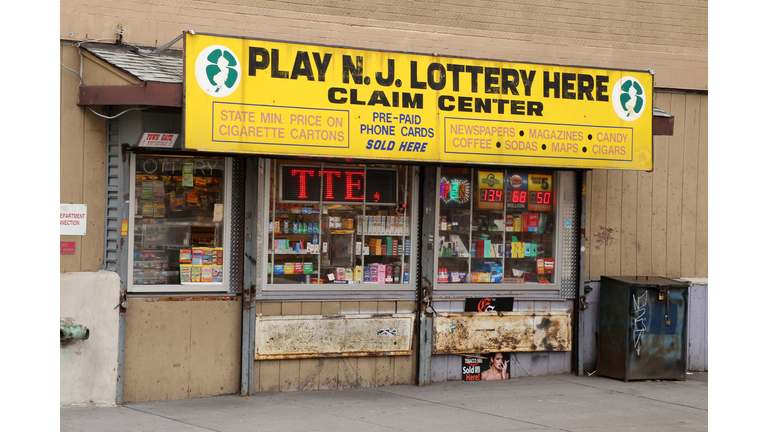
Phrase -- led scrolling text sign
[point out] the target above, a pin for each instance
(308, 184)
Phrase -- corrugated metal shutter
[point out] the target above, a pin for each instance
(112, 219)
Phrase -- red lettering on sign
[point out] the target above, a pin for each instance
(303, 180)
(352, 184)
(329, 182)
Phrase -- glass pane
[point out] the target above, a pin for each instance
(295, 228)
(178, 222)
(340, 224)
(496, 226)
(454, 230)
(488, 226)
(530, 233)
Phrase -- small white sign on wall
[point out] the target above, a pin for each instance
(73, 218)
(162, 140)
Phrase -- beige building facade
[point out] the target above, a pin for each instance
(182, 346)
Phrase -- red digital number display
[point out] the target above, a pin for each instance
(492, 195)
(540, 197)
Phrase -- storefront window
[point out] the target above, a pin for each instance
(496, 226)
(340, 224)
(179, 224)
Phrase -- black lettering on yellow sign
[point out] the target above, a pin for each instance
(259, 59)
(586, 85)
(436, 76)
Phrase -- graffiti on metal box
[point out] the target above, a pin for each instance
(638, 320)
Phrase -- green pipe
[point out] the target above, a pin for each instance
(74, 332)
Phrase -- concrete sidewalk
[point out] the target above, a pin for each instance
(555, 402)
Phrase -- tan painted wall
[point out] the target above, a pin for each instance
(334, 373)
(641, 223)
(181, 349)
(669, 37)
(83, 151)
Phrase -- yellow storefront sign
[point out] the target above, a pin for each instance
(266, 97)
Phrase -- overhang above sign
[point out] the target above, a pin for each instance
(265, 97)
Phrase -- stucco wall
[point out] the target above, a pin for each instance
(88, 368)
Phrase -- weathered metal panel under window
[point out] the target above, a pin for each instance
(487, 332)
(310, 336)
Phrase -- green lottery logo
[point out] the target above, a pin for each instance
(629, 98)
(217, 70)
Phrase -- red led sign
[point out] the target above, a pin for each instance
(338, 185)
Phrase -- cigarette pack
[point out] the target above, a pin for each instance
(184, 272)
(217, 274)
(206, 274)
(394, 247)
(197, 256)
(382, 276)
(185, 255)
(177, 204)
(195, 274)
(407, 247)
(442, 275)
(147, 208)
(390, 243)
(545, 266)
(207, 256)
(341, 274)
(533, 222)
(510, 223)
(496, 274)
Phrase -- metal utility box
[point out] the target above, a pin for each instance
(643, 328)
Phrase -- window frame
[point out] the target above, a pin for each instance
(308, 290)
(198, 287)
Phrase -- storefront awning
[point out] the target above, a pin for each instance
(663, 122)
(160, 74)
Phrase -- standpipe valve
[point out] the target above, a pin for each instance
(69, 332)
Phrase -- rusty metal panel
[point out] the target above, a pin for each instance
(310, 336)
(486, 332)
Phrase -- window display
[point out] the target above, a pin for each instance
(340, 224)
(178, 224)
(495, 226)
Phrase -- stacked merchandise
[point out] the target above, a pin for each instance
(201, 265)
